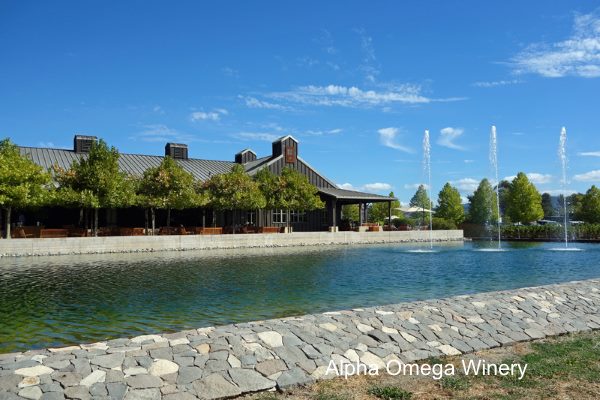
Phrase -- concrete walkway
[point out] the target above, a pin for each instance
(230, 360)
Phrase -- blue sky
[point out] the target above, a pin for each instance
(356, 83)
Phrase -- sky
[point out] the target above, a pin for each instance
(356, 83)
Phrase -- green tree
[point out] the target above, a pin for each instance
(95, 182)
(483, 207)
(548, 206)
(524, 202)
(297, 193)
(590, 206)
(235, 190)
(351, 212)
(378, 212)
(450, 205)
(421, 200)
(166, 187)
(574, 206)
(23, 183)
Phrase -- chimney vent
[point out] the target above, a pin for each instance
(83, 144)
(245, 156)
(177, 151)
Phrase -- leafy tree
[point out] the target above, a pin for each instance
(483, 207)
(95, 182)
(23, 184)
(378, 212)
(168, 186)
(548, 206)
(351, 212)
(234, 190)
(590, 206)
(450, 205)
(574, 206)
(421, 200)
(269, 185)
(297, 193)
(524, 201)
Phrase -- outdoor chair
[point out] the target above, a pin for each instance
(54, 233)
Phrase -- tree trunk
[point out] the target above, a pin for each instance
(95, 222)
(153, 220)
(169, 217)
(8, 212)
(146, 220)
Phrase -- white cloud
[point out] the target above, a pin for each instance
(158, 110)
(231, 72)
(352, 96)
(491, 84)
(214, 115)
(534, 177)
(376, 187)
(253, 102)
(466, 185)
(589, 154)
(578, 55)
(591, 176)
(469, 161)
(323, 132)
(448, 136)
(387, 137)
(46, 144)
(263, 136)
(369, 66)
(162, 133)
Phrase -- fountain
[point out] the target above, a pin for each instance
(427, 169)
(494, 164)
(562, 155)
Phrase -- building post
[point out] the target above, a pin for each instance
(390, 215)
(360, 214)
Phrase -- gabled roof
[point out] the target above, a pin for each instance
(134, 164)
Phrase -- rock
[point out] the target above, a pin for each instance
(234, 361)
(328, 326)
(188, 375)
(448, 350)
(31, 392)
(94, 377)
(271, 338)
(64, 349)
(387, 330)
(116, 390)
(270, 367)
(163, 367)
(364, 328)
(67, 379)
(203, 348)
(215, 386)
(146, 338)
(372, 360)
(53, 396)
(180, 396)
(352, 355)
(408, 337)
(250, 381)
(114, 376)
(143, 394)
(34, 371)
(29, 381)
(135, 371)
(176, 342)
(294, 377)
(77, 392)
(98, 390)
(109, 360)
(144, 381)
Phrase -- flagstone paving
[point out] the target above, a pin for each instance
(226, 361)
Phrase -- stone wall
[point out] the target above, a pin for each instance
(125, 244)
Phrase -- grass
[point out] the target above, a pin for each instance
(566, 367)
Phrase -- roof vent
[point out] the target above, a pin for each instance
(177, 151)
(83, 144)
(245, 156)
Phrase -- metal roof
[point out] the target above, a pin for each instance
(343, 194)
(134, 164)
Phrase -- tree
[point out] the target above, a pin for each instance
(23, 184)
(378, 212)
(421, 200)
(168, 186)
(95, 182)
(590, 206)
(548, 206)
(574, 206)
(450, 205)
(524, 202)
(483, 207)
(351, 212)
(297, 193)
(234, 190)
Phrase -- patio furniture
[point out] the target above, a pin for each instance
(209, 231)
(54, 233)
(77, 232)
(269, 229)
(168, 230)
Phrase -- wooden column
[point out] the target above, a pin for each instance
(390, 215)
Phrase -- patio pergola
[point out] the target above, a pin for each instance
(336, 198)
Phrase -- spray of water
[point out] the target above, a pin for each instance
(427, 169)
(562, 155)
(494, 164)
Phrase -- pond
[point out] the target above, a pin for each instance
(57, 301)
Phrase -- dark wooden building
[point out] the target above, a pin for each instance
(284, 154)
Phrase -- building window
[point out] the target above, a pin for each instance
(298, 216)
(323, 217)
(279, 216)
(251, 217)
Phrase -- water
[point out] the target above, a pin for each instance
(57, 301)
(494, 164)
(427, 169)
(562, 155)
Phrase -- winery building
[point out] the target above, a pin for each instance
(285, 153)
